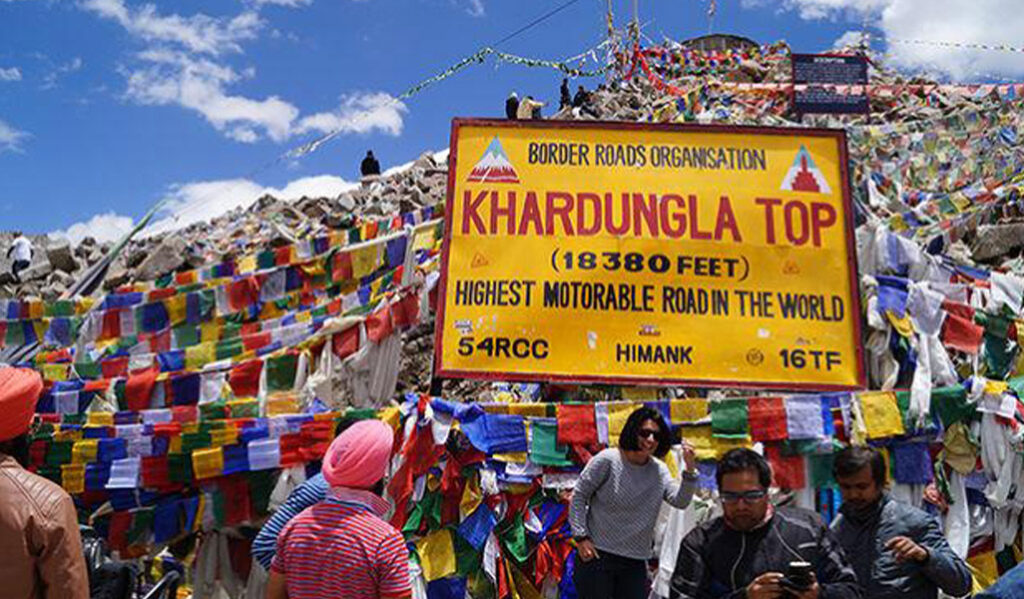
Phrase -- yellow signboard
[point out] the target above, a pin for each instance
(649, 254)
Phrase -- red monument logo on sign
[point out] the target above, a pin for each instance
(804, 175)
(494, 166)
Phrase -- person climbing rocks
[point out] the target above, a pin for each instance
(21, 252)
(370, 166)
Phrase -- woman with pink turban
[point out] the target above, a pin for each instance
(41, 554)
(342, 547)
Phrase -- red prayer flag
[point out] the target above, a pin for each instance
(962, 334)
(378, 324)
(244, 378)
(346, 343)
(139, 388)
(788, 470)
(767, 417)
(577, 425)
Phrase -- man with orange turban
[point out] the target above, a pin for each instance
(41, 553)
(342, 547)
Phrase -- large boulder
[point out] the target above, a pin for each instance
(61, 257)
(166, 257)
(995, 241)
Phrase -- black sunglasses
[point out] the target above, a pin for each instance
(646, 433)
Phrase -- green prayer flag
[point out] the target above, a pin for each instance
(544, 447)
(361, 414)
(513, 538)
(261, 484)
(142, 525)
(219, 513)
(59, 453)
(467, 559)
(179, 467)
(951, 405)
(229, 349)
(281, 372)
(821, 470)
(193, 441)
(187, 335)
(214, 410)
(999, 356)
(51, 473)
(729, 418)
(266, 259)
(89, 370)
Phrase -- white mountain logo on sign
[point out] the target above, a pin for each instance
(494, 166)
(804, 175)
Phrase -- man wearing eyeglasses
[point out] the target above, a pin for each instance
(752, 550)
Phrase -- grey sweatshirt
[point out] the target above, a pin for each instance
(616, 502)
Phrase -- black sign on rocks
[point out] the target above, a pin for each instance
(824, 83)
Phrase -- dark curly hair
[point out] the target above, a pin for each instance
(629, 439)
(740, 460)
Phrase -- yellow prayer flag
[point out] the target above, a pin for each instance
(282, 405)
(996, 387)
(177, 308)
(903, 325)
(536, 410)
(246, 265)
(640, 393)
(224, 436)
(189, 427)
(437, 554)
(515, 458)
(688, 410)
(84, 451)
(882, 416)
(100, 419)
(673, 466)
(984, 570)
(723, 444)
(35, 310)
(365, 260)
(391, 416)
(55, 372)
(72, 478)
(174, 444)
(618, 414)
(209, 332)
(207, 463)
(198, 356)
(700, 438)
(504, 397)
(472, 497)
(67, 434)
(423, 239)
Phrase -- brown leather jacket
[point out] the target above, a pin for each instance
(40, 549)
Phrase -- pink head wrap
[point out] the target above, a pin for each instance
(358, 457)
(19, 391)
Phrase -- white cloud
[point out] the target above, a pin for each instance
(288, 3)
(198, 33)
(50, 80)
(200, 201)
(200, 84)
(11, 138)
(182, 65)
(850, 38)
(102, 228)
(476, 8)
(358, 113)
(11, 74)
(993, 22)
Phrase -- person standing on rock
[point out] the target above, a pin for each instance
(529, 109)
(41, 555)
(615, 505)
(21, 252)
(370, 166)
(565, 98)
(512, 106)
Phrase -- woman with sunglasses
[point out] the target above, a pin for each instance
(615, 507)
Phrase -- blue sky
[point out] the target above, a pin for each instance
(107, 106)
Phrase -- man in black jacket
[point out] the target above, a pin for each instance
(897, 550)
(746, 553)
(369, 166)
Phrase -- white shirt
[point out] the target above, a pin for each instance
(22, 249)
